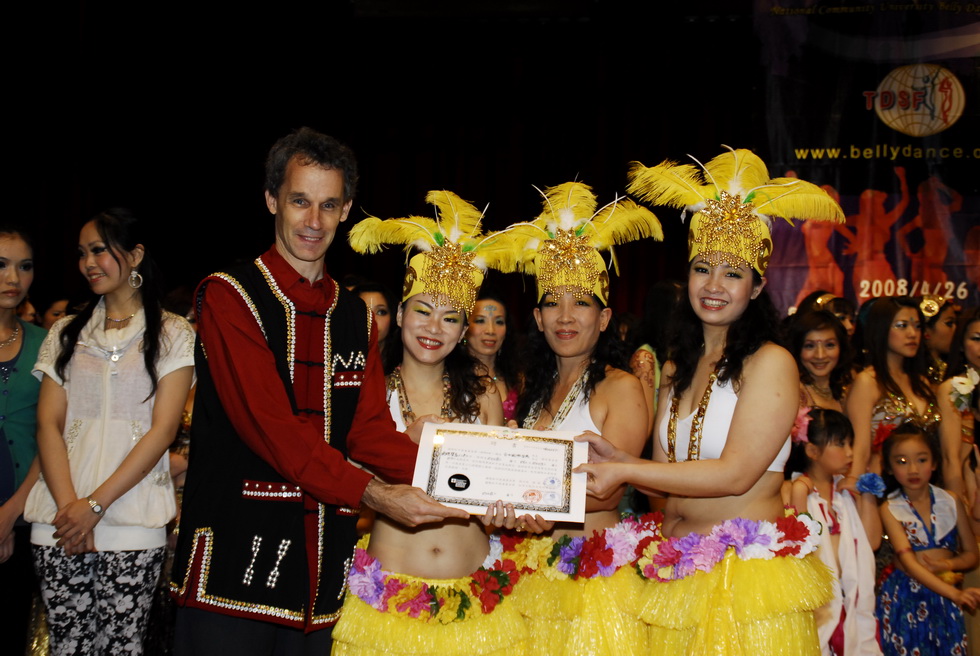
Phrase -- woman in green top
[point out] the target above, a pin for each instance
(19, 343)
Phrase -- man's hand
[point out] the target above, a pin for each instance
(407, 505)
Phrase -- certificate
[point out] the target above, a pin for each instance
(470, 466)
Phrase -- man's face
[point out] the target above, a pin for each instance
(308, 208)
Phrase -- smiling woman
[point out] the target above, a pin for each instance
(114, 379)
(486, 339)
(818, 341)
(584, 587)
(727, 404)
(442, 571)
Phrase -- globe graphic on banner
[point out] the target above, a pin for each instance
(920, 99)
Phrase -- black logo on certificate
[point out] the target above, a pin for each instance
(459, 482)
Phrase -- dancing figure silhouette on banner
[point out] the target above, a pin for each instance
(824, 272)
(937, 202)
(873, 226)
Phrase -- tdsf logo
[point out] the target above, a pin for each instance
(918, 100)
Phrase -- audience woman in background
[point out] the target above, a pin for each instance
(893, 387)
(19, 344)
(822, 350)
(486, 340)
(957, 397)
(114, 379)
(939, 313)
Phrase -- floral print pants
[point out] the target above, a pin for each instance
(97, 603)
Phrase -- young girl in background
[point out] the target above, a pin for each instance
(919, 606)
(821, 456)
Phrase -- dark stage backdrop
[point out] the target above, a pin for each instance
(170, 109)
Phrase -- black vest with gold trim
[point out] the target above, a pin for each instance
(252, 544)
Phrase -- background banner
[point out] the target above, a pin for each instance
(878, 103)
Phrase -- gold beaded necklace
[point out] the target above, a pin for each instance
(697, 425)
(396, 384)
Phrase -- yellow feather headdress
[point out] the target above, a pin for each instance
(732, 198)
(453, 254)
(561, 247)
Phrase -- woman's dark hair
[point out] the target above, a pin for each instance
(121, 233)
(15, 229)
(391, 351)
(827, 428)
(179, 300)
(465, 384)
(625, 325)
(860, 330)
(658, 308)
(506, 362)
(541, 365)
(957, 355)
(908, 431)
(836, 305)
(878, 323)
(800, 325)
(757, 325)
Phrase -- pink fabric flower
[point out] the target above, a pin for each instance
(801, 424)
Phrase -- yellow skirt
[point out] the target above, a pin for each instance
(366, 631)
(740, 608)
(586, 617)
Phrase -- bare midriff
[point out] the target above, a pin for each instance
(452, 549)
(684, 515)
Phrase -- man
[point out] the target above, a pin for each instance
(289, 386)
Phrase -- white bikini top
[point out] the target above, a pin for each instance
(396, 413)
(717, 422)
(578, 419)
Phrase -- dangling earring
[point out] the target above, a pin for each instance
(135, 279)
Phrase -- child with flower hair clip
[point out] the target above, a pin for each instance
(919, 605)
(851, 528)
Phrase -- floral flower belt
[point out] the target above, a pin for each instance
(671, 559)
(435, 600)
(602, 554)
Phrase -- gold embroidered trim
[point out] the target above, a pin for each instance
(222, 602)
(290, 313)
(329, 365)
